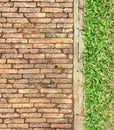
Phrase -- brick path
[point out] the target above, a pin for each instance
(40, 78)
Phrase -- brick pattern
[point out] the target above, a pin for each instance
(36, 64)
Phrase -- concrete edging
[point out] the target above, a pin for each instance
(78, 79)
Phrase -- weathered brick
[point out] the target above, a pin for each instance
(44, 105)
(62, 101)
(51, 71)
(18, 100)
(35, 120)
(53, 115)
(18, 125)
(31, 15)
(56, 56)
(6, 110)
(39, 100)
(65, 126)
(17, 20)
(33, 56)
(46, 20)
(22, 105)
(26, 110)
(12, 56)
(27, 91)
(2, 71)
(41, 125)
(29, 9)
(16, 35)
(17, 121)
(27, 71)
(49, 90)
(30, 115)
(12, 15)
(52, 10)
(24, 4)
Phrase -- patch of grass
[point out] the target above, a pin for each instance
(99, 64)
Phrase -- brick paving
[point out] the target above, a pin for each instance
(38, 90)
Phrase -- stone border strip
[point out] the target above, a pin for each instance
(78, 76)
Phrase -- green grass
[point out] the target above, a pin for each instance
(99, 64)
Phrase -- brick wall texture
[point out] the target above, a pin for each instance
(36, 64)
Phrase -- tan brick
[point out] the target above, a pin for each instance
(29, 9)
(11, 76)
(17, 121)
(39, 100)
(57, 95)
(50, 51)
(67, 66)
(16, 40)
(18, 100)
(57, 120)
(22, 105)
(45, 0)
(52, 10)
(61, 101)
(8, 90)
(18, 125)
(33, 76)
(20, 61)
(18, 81)
(6, 110)
(24, 4)
(17, 20)
(27, 91)
(32, 15)
(9, 115)
(61, 40)
(51, 71)
(42, 125)
(12, 95)
(15, 35)
(29, 120)
(27, 71)
(30, 115)
(49, 90)
(63, 61)
(44, 66)
(46, 20)
(48, 110)
(63, 46)
(23, 66)
(5, 66)
(56, 56)
(5, 106)
(53, 115)
(26, 110)
(3, 126)
(22, 46)
(30, 31)
(64, 81)
(3, 80)
(41, 40)
(44, 105)
(33, 56)
(12, 56)
(12, 15)
(65, 126)
(43, 45)
(2, 61)
(2, 71)
(62, 20)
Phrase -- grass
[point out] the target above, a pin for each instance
(99, 64)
